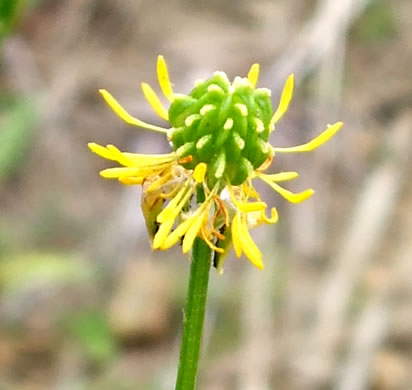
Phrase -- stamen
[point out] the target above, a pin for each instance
(315, 143)
(123, 114)
(154, 101)
(208, 242)
(222, 209)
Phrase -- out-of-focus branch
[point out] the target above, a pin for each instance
(364, 232)
(331, 21)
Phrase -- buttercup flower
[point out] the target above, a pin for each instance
(219, 134)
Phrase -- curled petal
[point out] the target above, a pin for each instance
(290, 196)
(273, 218)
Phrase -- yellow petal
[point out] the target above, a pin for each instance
(100, 151)
(253, 75)
(249, 247)
(123, 114)
(246, 206)
(154, 101)
(163, 77)
(159, 182)
(192, 232)
(200, 172)
(119, 156)
(290, 196)
(273, 218)
(285, 99)
(162, 233)
(131, 180)
(115, 173)
(175, 236)
(282, 176)
(236, 235)
(169, 210)
(316, 142)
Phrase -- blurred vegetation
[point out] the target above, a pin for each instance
(17, 123)
(10, 10)
(59, 223)
(28, 270)
(375, 25)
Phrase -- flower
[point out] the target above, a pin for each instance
(219, 134)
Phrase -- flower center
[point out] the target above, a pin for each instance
(224, 125)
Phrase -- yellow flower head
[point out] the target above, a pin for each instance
(219, 133)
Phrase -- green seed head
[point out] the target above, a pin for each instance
(223, 125)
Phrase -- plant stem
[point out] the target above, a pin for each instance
(194, 316)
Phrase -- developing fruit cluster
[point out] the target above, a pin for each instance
(224, 125)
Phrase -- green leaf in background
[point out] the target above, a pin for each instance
(41, 269)
(17, 124)
(92, 332)
(9, 12)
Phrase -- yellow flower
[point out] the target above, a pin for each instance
(219, 134)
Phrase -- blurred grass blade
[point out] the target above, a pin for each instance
(17, 125)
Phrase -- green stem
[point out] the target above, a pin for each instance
(194, 316)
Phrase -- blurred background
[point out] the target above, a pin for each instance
(85, 304)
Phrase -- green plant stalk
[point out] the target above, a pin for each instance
(194, 316)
